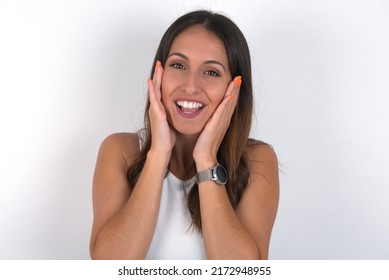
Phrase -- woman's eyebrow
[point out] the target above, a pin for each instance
(206, 62)
(215, 62)
(179, 54)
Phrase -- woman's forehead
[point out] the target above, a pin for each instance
(197, 41)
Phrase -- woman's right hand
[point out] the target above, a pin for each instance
(163, 137)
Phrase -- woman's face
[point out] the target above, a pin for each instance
(195, 78)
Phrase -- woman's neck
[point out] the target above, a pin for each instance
(181, 162)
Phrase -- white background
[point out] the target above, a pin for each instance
(73, 72)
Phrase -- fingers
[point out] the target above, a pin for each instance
(157, 66)
(150, 85)
(157, 79)
(234, 88)
(228, 105)
(221, 118)
(155, 84)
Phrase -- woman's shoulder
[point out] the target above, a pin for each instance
(261, 152)
(121, 138)
(122, 144)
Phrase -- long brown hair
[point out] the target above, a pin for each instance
(231, 153)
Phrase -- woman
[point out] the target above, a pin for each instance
(192, 185)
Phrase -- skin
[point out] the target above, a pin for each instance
(124, 222)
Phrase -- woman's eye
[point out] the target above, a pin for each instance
(177, 65)
(212, 73)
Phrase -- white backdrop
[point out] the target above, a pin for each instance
(73, 72)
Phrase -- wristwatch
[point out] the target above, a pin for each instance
(217, 173)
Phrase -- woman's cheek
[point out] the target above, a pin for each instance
(168, 82)
(217, 91)
(165, 84)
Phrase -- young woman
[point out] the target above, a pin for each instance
(191, 185)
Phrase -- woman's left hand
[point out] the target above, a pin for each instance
(208, 143)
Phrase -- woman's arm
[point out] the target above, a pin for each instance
(124, 222)
(245, 232)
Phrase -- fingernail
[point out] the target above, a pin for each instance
(238, 80)
(157, 64)
(230, 97)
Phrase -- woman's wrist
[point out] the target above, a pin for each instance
(159, 158)
(204, 164)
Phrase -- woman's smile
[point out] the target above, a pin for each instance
(189, 108)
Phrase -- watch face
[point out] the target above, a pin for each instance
(221, 174)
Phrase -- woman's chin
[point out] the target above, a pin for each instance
(189, 129)
(190, 126)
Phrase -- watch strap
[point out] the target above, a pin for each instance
(205, 175)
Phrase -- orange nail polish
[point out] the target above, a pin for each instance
(238, 81)
(157, 64)
(230, 97)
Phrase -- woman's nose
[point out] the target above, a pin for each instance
(192, 84)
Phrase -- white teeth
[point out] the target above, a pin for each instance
(190, 105)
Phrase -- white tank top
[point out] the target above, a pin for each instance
(174, 239)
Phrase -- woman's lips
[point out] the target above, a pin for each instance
(189, 109)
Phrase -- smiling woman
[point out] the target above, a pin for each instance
(191, 185)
